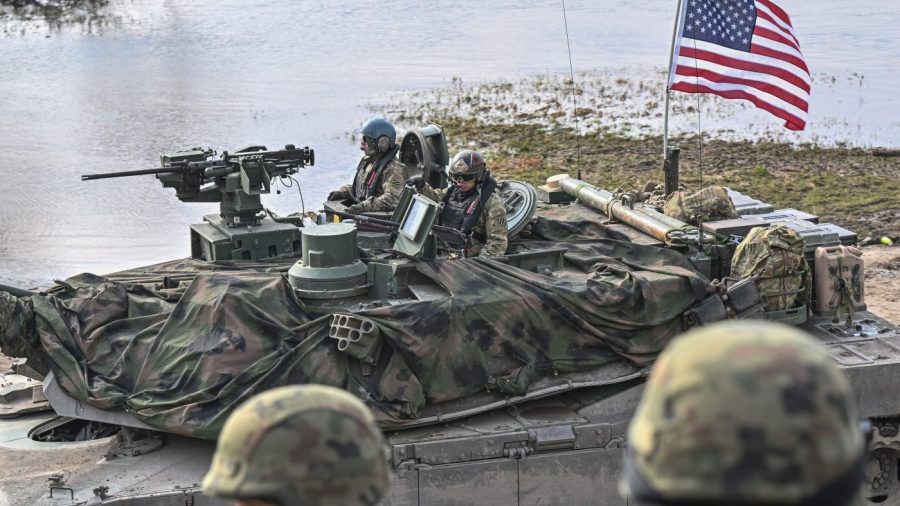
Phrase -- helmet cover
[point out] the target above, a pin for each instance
(744, 412)
(301, 444)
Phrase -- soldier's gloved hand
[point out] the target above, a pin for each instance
(416, 182)
(355, 209)
(338, 195)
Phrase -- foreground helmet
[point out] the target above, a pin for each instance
(468, 162)
(380, 134)
(745, 413)
(308, 445)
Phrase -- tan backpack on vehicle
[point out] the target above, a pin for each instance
(774, 255)
(711, 203)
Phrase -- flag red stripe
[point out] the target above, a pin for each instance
(726, 61)
(777, 37)
(778, 11)
(799, 103)
(785, 32)
(775, 10)
(765, 51)
(791, 122)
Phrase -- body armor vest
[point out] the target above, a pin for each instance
(369, 185)
(463, 211)
(457, 207)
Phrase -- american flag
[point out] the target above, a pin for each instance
(744, 49)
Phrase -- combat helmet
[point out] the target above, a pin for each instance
(312, 445)
(379, 134)
(466, 163)
(745, 413)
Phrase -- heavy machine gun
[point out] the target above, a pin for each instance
(235, 180)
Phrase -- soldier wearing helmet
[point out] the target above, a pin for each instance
(745, 413)
(379, 176)
(470, 205)
(308, 445)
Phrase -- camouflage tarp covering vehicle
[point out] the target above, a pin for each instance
(180, 359)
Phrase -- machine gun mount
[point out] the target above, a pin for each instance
(235, 180)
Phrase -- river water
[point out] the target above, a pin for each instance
(162, 75)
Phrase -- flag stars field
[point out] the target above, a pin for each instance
(765, 66)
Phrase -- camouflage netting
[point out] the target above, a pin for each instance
(182, 354)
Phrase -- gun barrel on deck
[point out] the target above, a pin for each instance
(127, 173)
(661, 229)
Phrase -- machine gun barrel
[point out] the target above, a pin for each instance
(284, 161)
(447, 234)
(366, 219)
(127, 173)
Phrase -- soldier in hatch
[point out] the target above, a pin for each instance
(379, 176)
(470, 204)
(746, 413)
(309, 445)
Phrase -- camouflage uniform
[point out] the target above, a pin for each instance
(471, 206)
(312, 445)
(745, 413)
(387, 194)
(491, 225)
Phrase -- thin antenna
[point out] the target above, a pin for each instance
(699, 151)
(574, 103)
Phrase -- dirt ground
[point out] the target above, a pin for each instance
(883, 281)
(33, 467)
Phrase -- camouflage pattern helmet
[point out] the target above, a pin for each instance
(309, 445)
(745, 413)
(382, 133)
(468, 162)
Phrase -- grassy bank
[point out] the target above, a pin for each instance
(847, 186)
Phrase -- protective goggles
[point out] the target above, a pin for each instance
(465, 178)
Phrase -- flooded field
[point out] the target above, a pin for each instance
(114, 91)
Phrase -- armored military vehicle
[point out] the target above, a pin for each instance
(505, 381)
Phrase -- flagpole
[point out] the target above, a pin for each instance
(678, 16)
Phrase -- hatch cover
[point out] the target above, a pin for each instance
(519, 199)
